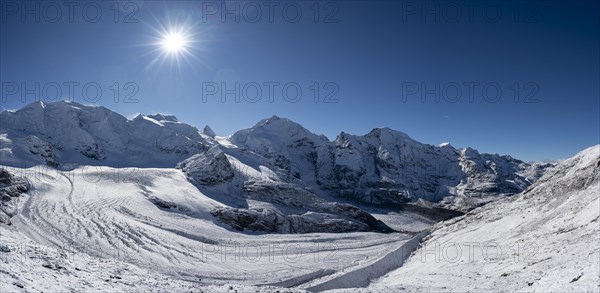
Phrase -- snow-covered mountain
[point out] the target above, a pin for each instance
(69, 134)
(543, 240)
(384, 166)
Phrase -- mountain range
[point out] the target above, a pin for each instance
(272, 173)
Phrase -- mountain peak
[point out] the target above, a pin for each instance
(34, 105)
(163, 117)
(208, 131)
(274, 129)
(388, 132)
(470, 152)
(276, 122)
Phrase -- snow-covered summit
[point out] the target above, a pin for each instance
(386, 133)
(163, 117)
(275, 132)
(68, 133)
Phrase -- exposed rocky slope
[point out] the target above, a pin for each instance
(11, 188)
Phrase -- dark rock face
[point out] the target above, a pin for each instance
(347, 219)
(209, 132)
(42, 149)
(261, 220)
(208, 168)
(11, 187)
(305, 212)
(163, 204)
(92, 151)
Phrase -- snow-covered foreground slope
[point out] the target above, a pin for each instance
(546, 239)
(97, 228)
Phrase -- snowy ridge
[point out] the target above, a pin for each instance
(555, 223)
(69, 134)
(383, 167)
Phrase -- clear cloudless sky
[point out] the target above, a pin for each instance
(510, 77)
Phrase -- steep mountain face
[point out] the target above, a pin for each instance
(207, 168)
(67, 133)
(292, 150)
(384, 166)
(544, 239)
(208, 131)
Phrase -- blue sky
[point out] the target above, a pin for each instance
(519, 78)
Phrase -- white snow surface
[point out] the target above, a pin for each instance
(543, 240)
(100, 228)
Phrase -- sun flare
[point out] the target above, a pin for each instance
(174, 42)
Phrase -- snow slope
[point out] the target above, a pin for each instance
(546, 239)
(92, 223)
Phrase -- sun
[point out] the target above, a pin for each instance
(174, 42)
